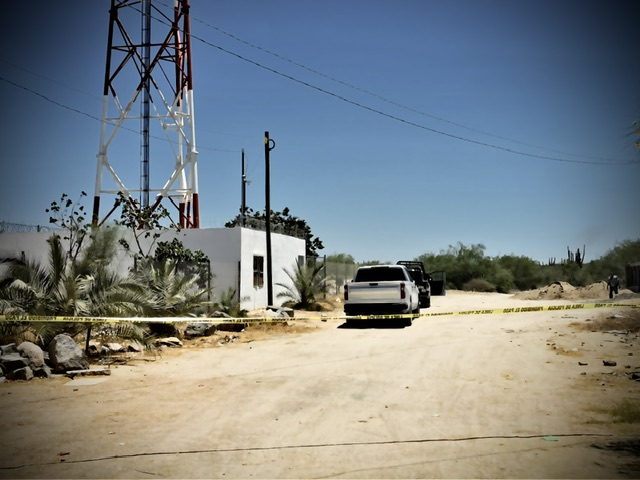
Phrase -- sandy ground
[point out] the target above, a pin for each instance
(519, 395)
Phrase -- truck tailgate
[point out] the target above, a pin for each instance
(373, 292)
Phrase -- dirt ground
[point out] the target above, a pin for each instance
(518, 395)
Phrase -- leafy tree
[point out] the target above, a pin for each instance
(525, 272)
(288, 223)
(69, 216)
(175, 250)
(306, 286)
(341, 258)
(142, 222)
(188, 262)
(373, 262)
(461, 263)
(615, 260)
(502, 278)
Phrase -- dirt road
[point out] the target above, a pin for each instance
(520, 395)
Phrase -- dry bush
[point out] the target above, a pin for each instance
(479, 285)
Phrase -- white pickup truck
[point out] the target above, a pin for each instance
(382, 290)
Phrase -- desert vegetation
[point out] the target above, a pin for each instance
(468, 268)
(79, 280)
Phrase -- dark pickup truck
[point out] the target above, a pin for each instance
(427, 284)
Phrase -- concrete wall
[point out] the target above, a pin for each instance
(285, 251)
(230, 250)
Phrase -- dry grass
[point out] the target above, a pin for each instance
(624, 411)
(626, 320)
(257, 331)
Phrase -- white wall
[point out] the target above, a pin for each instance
(225, 247)
(33, 244)
(285, 251)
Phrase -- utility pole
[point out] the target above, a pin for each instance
(243, 204)
(268, 146)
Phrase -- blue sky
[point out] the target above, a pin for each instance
(431, 122)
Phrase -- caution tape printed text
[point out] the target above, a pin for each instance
(220, 320)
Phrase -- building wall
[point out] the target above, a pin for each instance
(230, 251)
(285, 252)
(33, 244)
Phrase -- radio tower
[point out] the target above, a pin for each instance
(160, 107)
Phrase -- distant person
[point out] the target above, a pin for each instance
(613, 284)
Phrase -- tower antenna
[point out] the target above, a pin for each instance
(167, 99)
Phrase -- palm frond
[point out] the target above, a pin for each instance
(306, 285)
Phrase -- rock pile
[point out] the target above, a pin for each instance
(28, 360)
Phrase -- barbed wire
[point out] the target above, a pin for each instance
(21, 228)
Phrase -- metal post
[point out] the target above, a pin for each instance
(268, 146)
(243, 205)
(146, 100)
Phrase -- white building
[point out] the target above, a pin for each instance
(238, 258)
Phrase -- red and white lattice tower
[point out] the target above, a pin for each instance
(148, 90)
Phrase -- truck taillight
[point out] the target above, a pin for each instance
(403, 291)
(346, 292)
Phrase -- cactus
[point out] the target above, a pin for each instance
(578, 257)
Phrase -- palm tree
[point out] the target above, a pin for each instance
(307, 285)
(169, 292)
(28, 287)
(62, 287)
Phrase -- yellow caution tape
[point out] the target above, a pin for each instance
(247, 320)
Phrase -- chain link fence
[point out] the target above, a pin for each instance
(261, 225)
(336, 275)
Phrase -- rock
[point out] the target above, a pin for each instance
(279, 312)
(66, 355)
(228, 327)
(13, 361)
(134, 347)
(167, 330)
(199, 329)
(94, 348)
(24, 373)
(8, 349)
(114, 347)
(285, 312)
(169, 342)
(88, 373)
(32, 352)
(609, 363)
(42, 372)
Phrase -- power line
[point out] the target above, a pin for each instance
(93, 117)
(384, 99)
(400, 119)
(346, 100)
